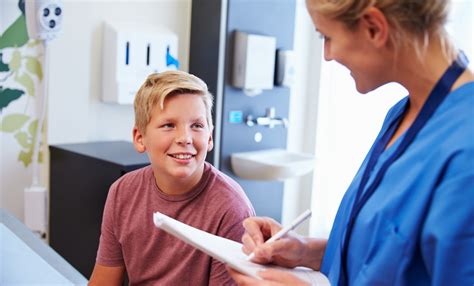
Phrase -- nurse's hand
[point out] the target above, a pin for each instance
(290, 251)
(270, 278)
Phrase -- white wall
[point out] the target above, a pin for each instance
(303, 112)
(75, 112)
(8, 13)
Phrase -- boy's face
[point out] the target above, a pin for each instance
(177, 138)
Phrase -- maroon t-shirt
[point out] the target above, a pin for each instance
(129, 237)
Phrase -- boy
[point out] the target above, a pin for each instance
(173, 124)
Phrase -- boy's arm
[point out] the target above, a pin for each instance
(219, 275)
(104, 275)
(110, 250)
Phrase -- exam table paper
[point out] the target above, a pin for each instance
(228, 251)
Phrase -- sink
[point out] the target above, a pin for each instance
(271, 164)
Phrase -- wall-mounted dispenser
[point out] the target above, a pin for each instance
(131, 52)
(285, 68)
(44, 18)
(253, 62)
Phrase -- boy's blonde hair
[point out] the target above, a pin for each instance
(158, 86)
(414, 22)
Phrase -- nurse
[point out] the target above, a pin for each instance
(408, 216)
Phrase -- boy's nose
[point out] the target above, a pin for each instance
(184, 137)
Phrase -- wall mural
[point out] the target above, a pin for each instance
(20, 75)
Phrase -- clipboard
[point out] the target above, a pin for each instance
(228, 251)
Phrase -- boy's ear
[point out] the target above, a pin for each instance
(376, 26)
(138, 140)
(210, 143)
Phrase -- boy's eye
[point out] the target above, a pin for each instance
(198, 125)
(167, 125)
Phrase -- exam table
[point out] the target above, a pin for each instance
(27, 260)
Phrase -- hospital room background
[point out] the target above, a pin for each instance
(302, 115)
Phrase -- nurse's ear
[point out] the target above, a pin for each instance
(376, 27)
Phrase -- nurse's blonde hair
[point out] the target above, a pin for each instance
(159, 86)
(413, 22)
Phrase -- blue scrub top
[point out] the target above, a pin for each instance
(418, 226)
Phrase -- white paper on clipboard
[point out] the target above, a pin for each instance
(228, 251)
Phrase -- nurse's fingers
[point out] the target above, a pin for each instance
(267, 252)
(285, 247)
(286, 252)
(253, 231)
(281, 278)
(248, 244)
(240, 278)
(260, 228)
(244, 280)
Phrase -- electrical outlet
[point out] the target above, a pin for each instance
(36, 210)
(44, 18)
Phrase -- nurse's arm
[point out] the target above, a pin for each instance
(447, 239)
(313, 257)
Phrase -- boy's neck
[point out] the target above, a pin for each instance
(177, 186)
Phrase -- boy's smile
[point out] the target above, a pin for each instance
(177, 140)
(182, 156)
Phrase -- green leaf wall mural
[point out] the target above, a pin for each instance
(9, 95)
(3, 66)
(15, 35)
(20, 74)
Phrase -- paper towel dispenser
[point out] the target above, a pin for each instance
(254, 62)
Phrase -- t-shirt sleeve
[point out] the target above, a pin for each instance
(110, 250)
(231, 228)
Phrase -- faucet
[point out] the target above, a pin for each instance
(268, 120)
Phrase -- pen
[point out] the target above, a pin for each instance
(301, 218)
